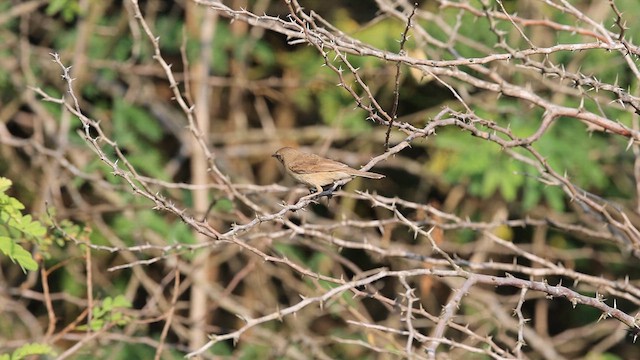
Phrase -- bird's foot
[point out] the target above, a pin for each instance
(327, 191)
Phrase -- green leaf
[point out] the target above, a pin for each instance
(34, 228)
(121, 301)
(97, 324)
(32, 349)
(108, 311)
(17, 254)
(5, 184)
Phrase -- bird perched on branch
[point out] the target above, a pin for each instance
(319, 173)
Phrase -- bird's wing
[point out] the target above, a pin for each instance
(311, 163)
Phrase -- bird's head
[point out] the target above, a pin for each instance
(284, 153)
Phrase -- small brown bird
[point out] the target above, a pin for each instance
(315, 171)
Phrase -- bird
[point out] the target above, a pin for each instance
(317, 172)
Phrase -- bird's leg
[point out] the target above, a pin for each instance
(316, 190)
(328, 190)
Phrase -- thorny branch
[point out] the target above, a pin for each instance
(413, 327)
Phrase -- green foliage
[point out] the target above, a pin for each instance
(479, 163)
(6, 87)
(61, 231)
(570, 149)
(55, 110)
(17, 254)
(255, 351)
(15, 228)
(116, 48)
(534, 192)
(137, 121)
(69, 229)
(220, 59)
(346, 296)
(227, 48)
(173, 231)
(290, 252)
(337, 110)
(69, 282)
(487, 170)
(109, 312)
(10, 22)
(318, 261)
(69, 9)
(480, 32)
(605, 356)
(65, 39)
(29, 350)
(566, 145)
(124, 350)
(308, 67)
(221, 349)
(384, 34)
(136, 130)
(223, 205)
(170, 30)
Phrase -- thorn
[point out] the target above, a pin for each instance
(628, 147)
